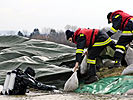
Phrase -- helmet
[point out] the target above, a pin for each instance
(108, 17)
(69, 34)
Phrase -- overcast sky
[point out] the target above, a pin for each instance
(30, 14)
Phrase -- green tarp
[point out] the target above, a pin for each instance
(43, 56)
(109, 85)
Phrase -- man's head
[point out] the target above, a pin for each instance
(108, 17)
(69, 35)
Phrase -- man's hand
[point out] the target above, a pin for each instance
(76, 66)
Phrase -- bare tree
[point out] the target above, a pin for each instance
(46, 30)
(67, 27)
(70, 27)
(25, 32)
(73, 28)
(20, 33)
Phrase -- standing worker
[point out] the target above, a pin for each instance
(95, 41)
(123, 22)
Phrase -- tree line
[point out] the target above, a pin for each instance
(49, 34)
(58, 36)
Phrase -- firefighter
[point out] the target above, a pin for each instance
(95, 41)
(17, 82)
(123, 22)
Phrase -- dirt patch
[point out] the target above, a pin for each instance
(65, 96)
(105, 72)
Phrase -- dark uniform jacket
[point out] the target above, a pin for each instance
(95, 38)
(121, 21)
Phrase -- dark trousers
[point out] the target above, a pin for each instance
(123, 41)
(93, 53)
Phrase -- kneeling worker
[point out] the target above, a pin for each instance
(95, 41)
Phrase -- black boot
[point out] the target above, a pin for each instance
(116, 64)
(91, 77)
(118, 57)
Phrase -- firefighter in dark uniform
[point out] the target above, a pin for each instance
(23, 81)
(123, 22)
(95, 41)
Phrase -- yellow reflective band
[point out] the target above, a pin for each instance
(127, 32)
(116, 61)
(102, 43)
(113, 29)
(120, 46)
(131, 18)
(91, 61)
(81, 35)
(117, 16)
(79, 51)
